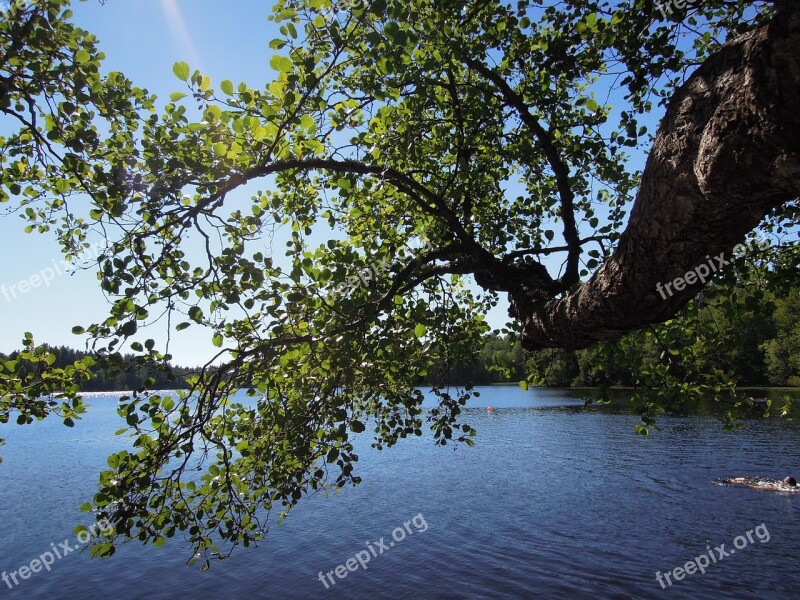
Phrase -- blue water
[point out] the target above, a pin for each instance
(554, 501)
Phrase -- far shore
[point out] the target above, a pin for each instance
(506, 384)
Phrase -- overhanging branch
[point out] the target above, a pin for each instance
(727, 152)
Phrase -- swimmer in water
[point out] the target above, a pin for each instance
(756, 483)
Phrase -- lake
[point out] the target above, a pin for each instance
(554, 501)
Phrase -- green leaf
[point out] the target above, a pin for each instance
(181, 70)
(420, 330)
(276, 88)
(307, 122)
(227, 87)
(217, 340)
(220, 149)
(280, 63)
(175, 96)
(524, 385)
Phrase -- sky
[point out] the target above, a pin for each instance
(143, 39)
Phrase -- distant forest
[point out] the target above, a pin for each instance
(755, 344)
(758, 346)
(128, 377)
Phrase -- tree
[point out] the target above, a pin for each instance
(783, 352)
(430, 142)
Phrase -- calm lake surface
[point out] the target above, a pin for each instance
(554, 501)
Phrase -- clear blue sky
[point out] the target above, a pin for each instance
(143, 39)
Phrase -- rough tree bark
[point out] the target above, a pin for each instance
(726, 153)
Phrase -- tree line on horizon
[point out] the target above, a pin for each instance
(128, 376)
(751, 336)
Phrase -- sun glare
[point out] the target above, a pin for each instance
(172, 12)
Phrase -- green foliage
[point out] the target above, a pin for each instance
(120, 373)
(35, 387)
(783, 352)
(737, 332)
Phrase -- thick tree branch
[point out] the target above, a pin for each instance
(727, 152)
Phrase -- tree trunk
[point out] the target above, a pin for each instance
(726, 153)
